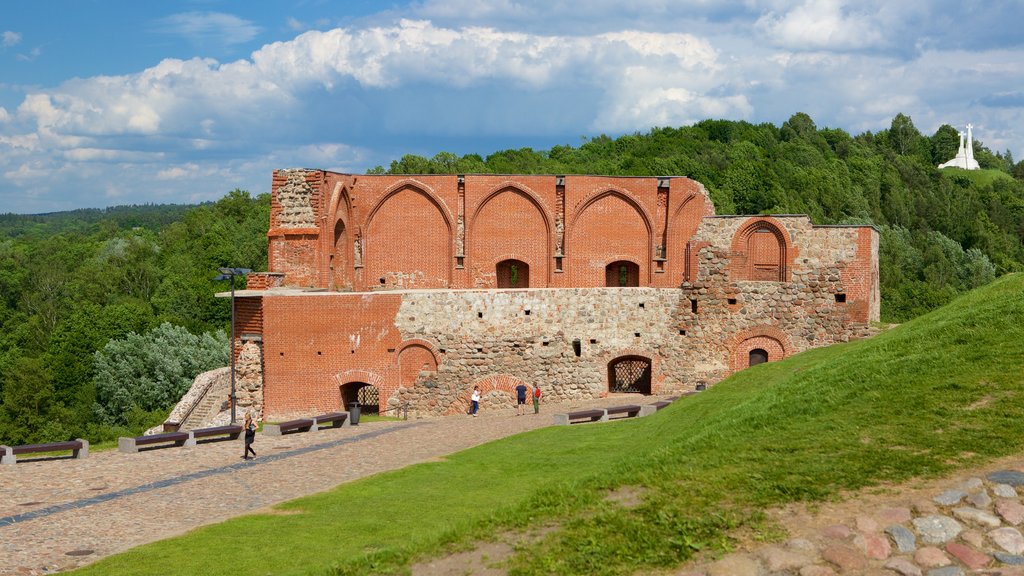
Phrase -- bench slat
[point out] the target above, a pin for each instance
(50, 447)
(164, 437)
(231, 430)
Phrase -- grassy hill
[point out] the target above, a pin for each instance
(938, 393)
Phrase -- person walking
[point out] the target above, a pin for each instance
(476, 400)
(250, 436)
(520, 399)
(536, 399)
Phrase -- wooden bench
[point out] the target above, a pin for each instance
(661, 404)
(299, 425)
(230, 432)
(596, 415)
(630, 410)
(330, 420)
(79, 449)
(131, 445)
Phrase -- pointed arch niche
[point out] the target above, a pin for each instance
(509, 227)
(762, 251)
(408, 241)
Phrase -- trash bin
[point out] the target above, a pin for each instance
(353, 413)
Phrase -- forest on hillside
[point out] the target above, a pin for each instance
(107, 315)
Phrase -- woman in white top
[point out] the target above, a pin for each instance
(476, 400)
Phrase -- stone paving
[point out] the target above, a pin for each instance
(62, 513)
(59, 514)
(961, 527)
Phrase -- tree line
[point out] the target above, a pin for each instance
(107, 315)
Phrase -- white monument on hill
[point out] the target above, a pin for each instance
(965, 155)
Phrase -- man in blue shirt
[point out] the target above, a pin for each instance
(520, 399)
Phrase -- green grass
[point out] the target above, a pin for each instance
(939, 393)
(980, 177)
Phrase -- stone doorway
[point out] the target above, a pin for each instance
(366, 394)
(513, 274)
(757, 356)
(629, 374)
(622, 274)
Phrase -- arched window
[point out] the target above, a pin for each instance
(758, 356)
(513, 274)
(622, 274)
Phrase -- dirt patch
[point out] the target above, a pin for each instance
(627, 497)
(487, 559)
(484, 560)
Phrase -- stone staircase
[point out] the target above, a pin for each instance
(200, 407)
(208, 407)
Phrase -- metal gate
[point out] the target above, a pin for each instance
(630, 374)
(369, 399)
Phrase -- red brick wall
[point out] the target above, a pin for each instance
(309, 340)
(408, 242)
(607, 227)
(508, 224)
(860, 278)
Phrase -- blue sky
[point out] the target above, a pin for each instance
(108, 102)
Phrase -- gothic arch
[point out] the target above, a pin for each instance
(523, 245)
(427, 267)
(578, 254)
(762, 250)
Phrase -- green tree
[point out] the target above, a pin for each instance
(153, 370)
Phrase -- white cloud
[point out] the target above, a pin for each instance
(209, 26)
(821, 24)
(9, 38)
(30, 56)
(349, 98)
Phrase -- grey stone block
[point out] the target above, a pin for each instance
(7, 455)
(647, 410)
(561, 419)
(127, 445)
(83, 452)
(270, 430)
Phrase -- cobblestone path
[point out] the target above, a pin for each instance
(59, 514)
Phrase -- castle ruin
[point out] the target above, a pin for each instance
(406, 291)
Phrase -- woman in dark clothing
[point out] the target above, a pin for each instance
(250, 436)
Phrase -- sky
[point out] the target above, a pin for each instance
(113, 102)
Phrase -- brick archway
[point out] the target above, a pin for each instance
(351, 381)
(497, 391)
(511, 221)
(770, 339)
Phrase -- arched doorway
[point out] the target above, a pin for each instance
(629, 374)
(757, 356)
(366, 394)
(621, 274)
(513, 274)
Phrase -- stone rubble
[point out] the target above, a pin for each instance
(967, 529)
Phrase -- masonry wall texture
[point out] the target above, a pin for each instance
(424, 286)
